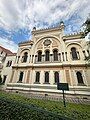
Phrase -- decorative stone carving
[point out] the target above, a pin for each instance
(47, 42)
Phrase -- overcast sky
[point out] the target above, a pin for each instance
(18, 17)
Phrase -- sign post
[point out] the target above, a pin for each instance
(64, 99)
(63, 86)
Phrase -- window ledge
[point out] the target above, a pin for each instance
(46, 83)
(36, 82)
(55, 83)
(81, 84)
(19, 81)
(75, 59)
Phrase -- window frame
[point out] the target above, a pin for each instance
(25, 57)
(47, 55)
(46, 81)
(37, 78)
(21, 77)
(55, 55)
(74, 53)
(56, 77)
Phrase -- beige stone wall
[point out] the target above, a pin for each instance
(66, 67)
(66, 75)
(8, 70)
(87, 74)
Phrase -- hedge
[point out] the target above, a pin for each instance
(13, 110)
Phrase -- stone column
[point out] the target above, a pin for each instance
(78, 55)
(42, 77)
(71, 56)
(84, 77)
(51, 57)
(28, 77)
(59, 57)
(36, 57)
(59, 76)
(64, 78)
(15, 60)
(31, 73)
(15, 76)
(71, 78)
(51, 77)
(68, 77)
(66, 56)
(63, 56)
(75, 81)
(18, 59)
(24, 76)
(30, 59)
(87, 53)
(33, 76)
(43, 58)
(11, 79)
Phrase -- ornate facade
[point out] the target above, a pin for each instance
(51, 57)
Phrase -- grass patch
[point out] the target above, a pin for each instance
(73, 111)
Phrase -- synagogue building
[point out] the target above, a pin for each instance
(51, 57)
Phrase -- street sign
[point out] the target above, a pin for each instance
(62, 86)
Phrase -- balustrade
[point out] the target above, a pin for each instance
(51, 59)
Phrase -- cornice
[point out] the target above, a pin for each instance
(50, 66)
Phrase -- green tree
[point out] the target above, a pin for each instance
(87, 32)
(87, 26)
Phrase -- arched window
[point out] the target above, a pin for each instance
(39, 56)
(46, 77)
(74, 53)
(47, 54)
(37, 77)
(79, 77)
(55, 55)
(20, 77)
(56, 77)
(25, 57)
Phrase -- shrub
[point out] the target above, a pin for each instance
(10, 110)
(55, 108)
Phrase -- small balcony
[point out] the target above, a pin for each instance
(49, 59)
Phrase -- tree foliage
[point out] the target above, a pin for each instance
(87, 31)
(87, 26)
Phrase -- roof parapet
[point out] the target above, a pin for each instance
(29, 42)
(76, 35)
(60, 27)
